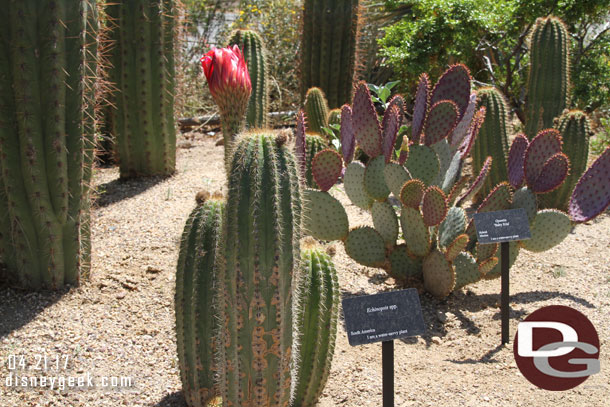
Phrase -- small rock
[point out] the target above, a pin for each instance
(152, 270)
(184, 144)
(121, 295)
(435, 340)
(220, 142)
(441, 316)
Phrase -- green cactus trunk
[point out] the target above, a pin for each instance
(575, 132)
(255, 54)
(328, 50)
(313, 145)
(317, 316)
(316, 110)
(197, 321)
(45, 143)
(492, 140)
(548, 83)
(260, 250)
(142, 58)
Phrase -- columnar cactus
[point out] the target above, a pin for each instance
(440, 246)
(328, 48)
(316, 110)
(316, 319)
(492, 139)
(45, 141)
(259, 253)
(548, 84)
(197, 321)
(143, 74)
(251, 45)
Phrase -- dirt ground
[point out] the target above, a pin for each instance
(118, 327)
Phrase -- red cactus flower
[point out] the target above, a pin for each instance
(227, 75)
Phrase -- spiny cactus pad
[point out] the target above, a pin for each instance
(478, 182)
(353, 181)
(453, 226)
(457, 246)
(422, 100)
(434, 206)
(385, 221)
(439, 276)
(403, 265)
(366, 124)
(374, 179)
(545, 145)
(513, 253)
(326, 168)
(395, 177)
(324, 217)
(486, 251)
(391, 123)
(486, 266)
(412, 193)
(591, 196)
(499, 199)
(516, 160)
(423, 163)
(348, 137)
(526, 199)
(313, 145)
(466, 270)
(442, 149)
(416, 234)
(366, 246)
(549, 229)
(552, 175)
(471, 134)
(457, 137)
(457, 189)
(440, 121)
(454, 84)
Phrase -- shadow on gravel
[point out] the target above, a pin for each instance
(172, 400)
(18, 308)
(119, 189)
(486, 358)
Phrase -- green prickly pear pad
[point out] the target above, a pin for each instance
(439, 276)
(323, 216)
(457, 246)
(549, 229)
(417, 235)
(466, 270)
(365, 246)
(385, 221)
(526, 199)
(423, 163)
(395, 177)
(402, 265)
(453, 226)
(374, 179)
(353, 181)
(434, 206)
(412, 193)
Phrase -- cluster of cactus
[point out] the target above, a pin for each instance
(46, 141)
(240, 261)
(328, 48)
(440, 247)
(547, 98)
(143, 75)
(251, 45)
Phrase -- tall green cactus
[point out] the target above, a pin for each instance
(251, 45)
(142, 32)
(318, 312)
(492, 139)
(45, 141)
(548, 83)
(260, 250)
(316, 110)
(196, 316)
(575, 132)
(328, 48)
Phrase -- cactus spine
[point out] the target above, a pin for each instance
(251, 45)
(260, 250)
(549, 76)
(316, 110)
(329, 43)
(143, 74)
(492, 139)
(575, 132)
(45, 141)
(196, 319)
(317, 316)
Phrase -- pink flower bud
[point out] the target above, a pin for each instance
(227, 75)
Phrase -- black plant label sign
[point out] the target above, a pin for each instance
(502, 226)
(383, 317)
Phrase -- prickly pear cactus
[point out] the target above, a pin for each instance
(251, 45)
(328, 48)
(143, 73)
(440, 245)
(197, 321)
(548, 84)
(46, 141)
(316, 321)
(259, 253)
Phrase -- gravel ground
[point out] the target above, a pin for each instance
(116, 330)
